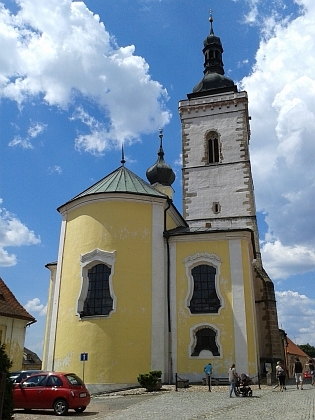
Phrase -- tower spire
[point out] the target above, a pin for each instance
(213, 64)
(160, 172)
(122, 155)
(211, 21)
(161, 151)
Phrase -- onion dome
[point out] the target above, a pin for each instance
(213, 65)
(160, 172)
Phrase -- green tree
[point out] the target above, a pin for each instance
(308, 349)
(5, 365)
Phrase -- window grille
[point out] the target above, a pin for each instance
(204, 298)
(98, 300)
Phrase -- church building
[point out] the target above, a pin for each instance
(138, 286)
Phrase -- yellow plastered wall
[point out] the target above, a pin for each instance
(170, 223)
(124, 227)
(223, 321)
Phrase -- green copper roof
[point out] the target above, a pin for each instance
(122, 180)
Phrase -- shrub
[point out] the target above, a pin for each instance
(151, 380)
(156, 373)
(5, 365)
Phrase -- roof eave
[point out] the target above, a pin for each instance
(74, 202)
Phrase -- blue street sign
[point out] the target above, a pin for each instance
(84, 357)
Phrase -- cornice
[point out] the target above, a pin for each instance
(211, 102)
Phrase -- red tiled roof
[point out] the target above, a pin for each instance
(10, 307)
(294, 349)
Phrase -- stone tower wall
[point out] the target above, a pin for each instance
(227, 183)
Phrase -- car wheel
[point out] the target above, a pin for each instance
(61, 407)
(80, 409)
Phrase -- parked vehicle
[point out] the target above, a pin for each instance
(52, 390)
(18, 376)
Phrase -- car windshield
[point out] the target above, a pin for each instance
(74, 379)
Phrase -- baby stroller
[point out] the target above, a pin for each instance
(242, 386)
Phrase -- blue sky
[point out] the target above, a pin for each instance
(79, 78)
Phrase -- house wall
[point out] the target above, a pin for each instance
(12, 334)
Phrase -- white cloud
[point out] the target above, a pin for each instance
(13, 233)
(296, 315)
(6, 259)
(98, 139)
(282, 262)
(34, 306)
(34, 130)
(281, 91)
(61, 51)
(251, 16)
(19, 141)
(55, 169)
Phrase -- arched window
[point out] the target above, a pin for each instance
(97, 297)
(98, 300)
(204, 298)
(203, 291)
(205, 339)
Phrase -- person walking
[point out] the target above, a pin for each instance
(311, 367)
(280, 374)
(233, 377)
(208, 371)
(298, 373)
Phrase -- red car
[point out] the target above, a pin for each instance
(52, 390)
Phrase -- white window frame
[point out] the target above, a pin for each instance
(87, 261)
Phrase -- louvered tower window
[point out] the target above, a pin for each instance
(213, 149)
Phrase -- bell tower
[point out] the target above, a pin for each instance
(218, 191)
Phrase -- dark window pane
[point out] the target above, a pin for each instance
(206, 340)
(204, 299)
(98, 289)
(213, 145)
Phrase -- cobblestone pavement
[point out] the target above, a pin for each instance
(194, 403)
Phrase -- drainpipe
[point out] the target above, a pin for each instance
(166, 236)
(31, 322)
